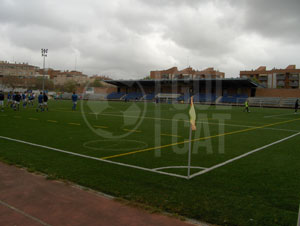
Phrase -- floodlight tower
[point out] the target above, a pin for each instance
(44, 55)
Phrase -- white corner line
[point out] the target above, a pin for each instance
(23, 213)
(94, 158)
(178, 167)
(241, 156)
(299, 217)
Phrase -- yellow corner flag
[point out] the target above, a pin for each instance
(192, 114)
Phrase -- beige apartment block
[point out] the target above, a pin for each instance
(17, 69)
(64, 77)
(288, 78)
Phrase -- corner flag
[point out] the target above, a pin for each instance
(192, 114)
(192, 127)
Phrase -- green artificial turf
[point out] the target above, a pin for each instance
(260, 189)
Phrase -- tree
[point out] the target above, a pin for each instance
(96, 83)
(255, 80)
(147, 78)
(10, 81)
(48, 84)
(70, 86)
(28, 83)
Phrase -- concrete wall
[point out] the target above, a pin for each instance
(103, 90)
(261, 92)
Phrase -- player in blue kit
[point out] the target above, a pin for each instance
(40, 102)
(74, 100)
(17, 98)
(9, 99)
(1, 100)
(45, 104)
(30, 99)
(24, 100)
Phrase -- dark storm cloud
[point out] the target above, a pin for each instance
(36, 12)
(128, 38)
(33, 37)
(173, 3)
(272, 18)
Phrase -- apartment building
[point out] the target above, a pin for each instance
(21, 73)
(288, 78)
(99, 78)
(187, 73)
(61, 78)
(17, 69)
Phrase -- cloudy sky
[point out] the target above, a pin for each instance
(126, 39)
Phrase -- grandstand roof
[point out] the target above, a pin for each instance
(229, 82)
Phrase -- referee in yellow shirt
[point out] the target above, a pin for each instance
(246, 106)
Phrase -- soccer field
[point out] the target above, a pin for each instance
(245, 167)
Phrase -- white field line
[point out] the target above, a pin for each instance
(180, 120)
(199, 122)
(169, 135)
(242, 156)
(94, 158)
(153, 118)
(283, 118)
(270, 116)
(179, 167)
(116, 112)
(286, 130)
(299, 217)
(23, 213)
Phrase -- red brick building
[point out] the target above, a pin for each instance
(190, 73)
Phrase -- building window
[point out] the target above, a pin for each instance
(280, 77)
(280, 84)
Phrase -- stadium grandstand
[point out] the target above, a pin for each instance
(234, 91)
(211, 91)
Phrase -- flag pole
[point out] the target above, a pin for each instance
(192, 114)
(190, 151)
